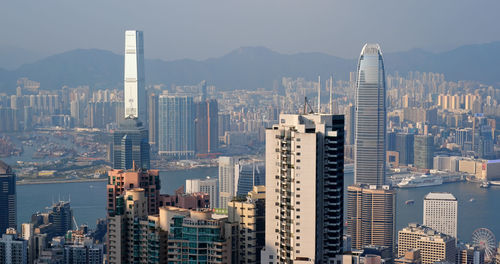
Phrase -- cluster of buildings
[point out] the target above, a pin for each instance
(287, 209)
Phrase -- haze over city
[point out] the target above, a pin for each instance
(346, 132)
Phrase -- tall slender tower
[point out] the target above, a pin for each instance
(304, 189)
(135, 92)
(370, 117)
(8, 205)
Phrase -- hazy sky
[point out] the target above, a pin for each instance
(199, 29)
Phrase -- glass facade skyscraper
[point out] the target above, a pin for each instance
(371, 117)
(8, 205)
(130, 144)
(176, 127)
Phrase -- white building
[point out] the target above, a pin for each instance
(304, 189)
(135, 92)
(226, 181)
(440, 213)
(206, 186)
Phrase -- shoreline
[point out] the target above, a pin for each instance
(59, 181)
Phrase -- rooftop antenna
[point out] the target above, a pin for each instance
(331, 91)
(306, 105)
(319, 94)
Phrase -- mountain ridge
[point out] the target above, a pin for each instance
(247, 67)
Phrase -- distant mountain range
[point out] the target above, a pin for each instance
(248, 67)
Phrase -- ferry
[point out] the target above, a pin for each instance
(410, 202)
(496, 183)
(420, 181)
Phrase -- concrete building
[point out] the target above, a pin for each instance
(135, 91)
(8, 203)
(247, 174)
(371, 215)
(176, 126)
(13, 250)
(208, 186)
(193, 200)
(131, 145)
(226, 181)
(371, 116)
(411, 256)
(304, 189)
(249, 216)
(433, 245)
(440, 213)
(153, 121)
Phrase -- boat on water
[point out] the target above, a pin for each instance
(485, 184)
(420, 181)
(496, 183)
(410, 202)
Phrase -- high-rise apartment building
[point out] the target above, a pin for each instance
(226, 181)
(433, 246)
(135, 92)
(121, 180)
(304, 189)
(131, 145)
(208, 186)
(249, 215)
(207, 126)
(13, 250)
(133, 236)
(197, 236)
(153, 120)
(371, 215)
(369, 161)
(424, 151)
(440, 213)
(176, 130)
(8, 204)
(468, 254)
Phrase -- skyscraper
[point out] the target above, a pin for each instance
(370, 128)
(13, 249)
(176, 131)
(226, 181)
(130, 145)
(247, 175)
(8, 206)
(424, 151)
(304, 189)
(350, 111)
(135, 92)
(440, 213)
(371, 215)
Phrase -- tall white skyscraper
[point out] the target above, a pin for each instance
(440, 213)
(135, 91)
(370, 116)
(304, 189)
(226, 181)
(207, 185)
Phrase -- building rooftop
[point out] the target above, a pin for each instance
(440, 196)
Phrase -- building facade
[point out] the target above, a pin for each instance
(370, 127)
(226, 181)
(135, 92)
(8, 203)
(13, 250)
(208, 186)
(371, 215)
(440, 213)
(304, 189)
(424, 151)
(207, 126)
(131, 145)
(176, 129)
